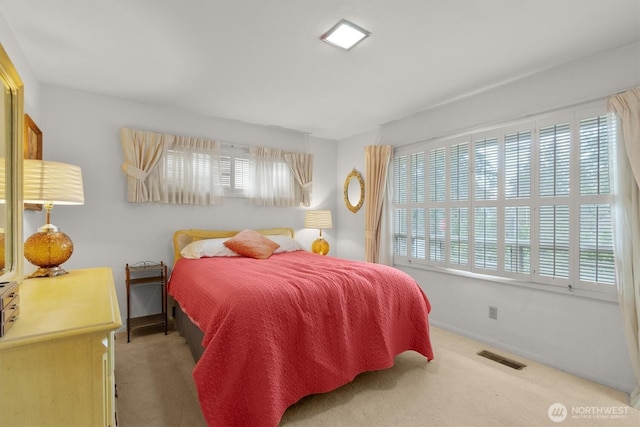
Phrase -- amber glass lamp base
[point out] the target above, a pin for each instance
(320, 246)
(47, 250)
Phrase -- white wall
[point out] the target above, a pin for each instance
(351, 229)
(19, 60)
(592, 78)
(83, 129)
(573, 334)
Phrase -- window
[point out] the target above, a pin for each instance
(199, 167)
(190, 173)
(530, 203)
(458, 204)
(264, 177)
(187, 170)
(272, 182)
(234, 168)
(596, 224)
(400, 176)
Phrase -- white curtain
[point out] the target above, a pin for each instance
(301, 165)
(189, 173)
(272, 183)
(171, 169)
(385, 253)
(627, 108)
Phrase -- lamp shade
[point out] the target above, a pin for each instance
(54, 182)
(50, 183)
(318, 219)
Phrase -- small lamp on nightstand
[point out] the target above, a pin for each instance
(50, 183)
(320, 220)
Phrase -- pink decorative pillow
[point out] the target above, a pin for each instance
(252, 244)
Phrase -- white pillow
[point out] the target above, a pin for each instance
(287, 244)
(207, 248)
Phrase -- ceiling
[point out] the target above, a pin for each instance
(263, 62)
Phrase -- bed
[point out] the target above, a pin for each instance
(268, 330)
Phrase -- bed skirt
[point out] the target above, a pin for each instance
(189, 331)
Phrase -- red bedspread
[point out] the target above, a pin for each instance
(296, 324)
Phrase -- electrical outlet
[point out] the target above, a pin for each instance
(493, 312)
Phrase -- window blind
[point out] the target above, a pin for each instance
(486, 169)
(541, 205)
(555, 160)
(597, 263)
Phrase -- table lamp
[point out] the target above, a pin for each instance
(320, 220)
(50, 183)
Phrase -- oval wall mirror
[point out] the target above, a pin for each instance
(354, 191)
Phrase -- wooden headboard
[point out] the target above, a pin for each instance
(182, 238)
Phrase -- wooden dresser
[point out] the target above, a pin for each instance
(57, 361)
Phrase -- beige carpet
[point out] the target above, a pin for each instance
(458, 388)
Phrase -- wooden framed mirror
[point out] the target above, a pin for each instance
(354, 191)
(11, 134)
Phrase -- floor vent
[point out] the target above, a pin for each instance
(500, 359)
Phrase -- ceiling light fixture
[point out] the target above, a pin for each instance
(345, 34)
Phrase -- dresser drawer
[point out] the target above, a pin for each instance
(8, 291)
(4, 327)
(11, 309)
(9, 306)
